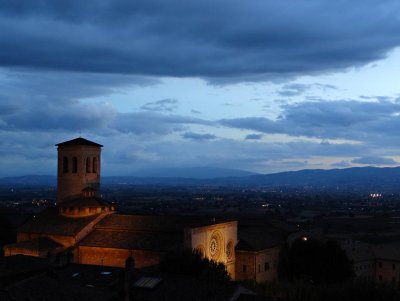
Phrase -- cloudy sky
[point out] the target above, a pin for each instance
(261, 85)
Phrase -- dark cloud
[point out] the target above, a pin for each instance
(254, 136)
(198, 137)
(74, 117)
(224, 39)
(167, 104)
(355, 120)
(141, 123)
(374, 161)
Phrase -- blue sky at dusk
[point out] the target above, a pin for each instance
(263, 86)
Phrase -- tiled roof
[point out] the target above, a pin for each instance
(73, 282)
(51, 222)
(79, 141)
(150, 223)
(134, 240)
(39, 243)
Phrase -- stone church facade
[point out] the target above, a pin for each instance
(88, 228)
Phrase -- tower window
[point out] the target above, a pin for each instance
(95, 165)
(74, 164)
(65, 164)
(88, 165)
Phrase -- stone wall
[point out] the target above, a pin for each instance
(70, 184)
(116, 257)
(257, 266)
(216, 242)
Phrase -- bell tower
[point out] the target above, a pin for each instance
(78, 168)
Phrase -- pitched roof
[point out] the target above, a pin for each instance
(154, 223)
(72, 282)
(79, 141)
(51, 222)
(151, 241)
(39, 243)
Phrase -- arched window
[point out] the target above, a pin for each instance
(65, 164)
(88, 165)
(95, 165)
(74, 164)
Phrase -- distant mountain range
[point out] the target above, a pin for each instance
(360, 178)
(192, 172)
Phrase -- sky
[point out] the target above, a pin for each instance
(263, 86)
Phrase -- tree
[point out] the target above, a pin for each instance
(191, 263)
(315, 261)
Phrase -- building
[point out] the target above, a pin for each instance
(87, 226)
(380, 262)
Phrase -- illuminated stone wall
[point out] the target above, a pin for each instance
(258, 266)
(71, 183)
(116, 257)
(216, 242)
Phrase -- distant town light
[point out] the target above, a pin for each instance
(304, 238)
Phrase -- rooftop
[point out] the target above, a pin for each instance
(74, 282)
(51, 222)
(153, 223)
(134, 240)
(39, 243)
(79, 141)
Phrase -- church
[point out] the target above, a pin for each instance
(90, 231)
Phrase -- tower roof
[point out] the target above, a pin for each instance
(79, 141)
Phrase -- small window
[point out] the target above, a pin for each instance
(88, 165)
(65, 165)
(94, 165)
(74, 165)
(259, 268)
(380, 264)
(393, 266)
(266, 266)
(244, 268)
(380, 277)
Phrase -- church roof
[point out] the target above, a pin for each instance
(50, 222)
(39, 243)
(161, 223)
(151, 241)
(79, 141)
